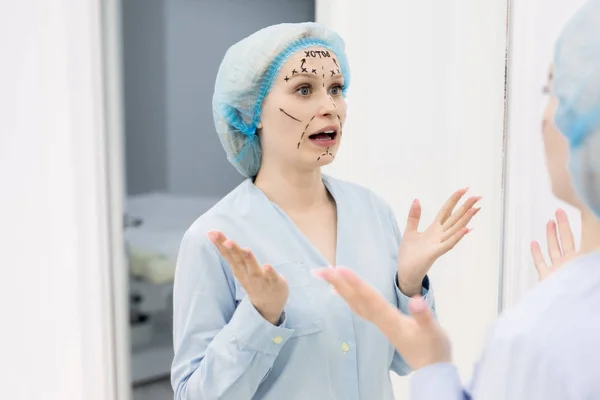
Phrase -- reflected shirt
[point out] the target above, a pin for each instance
(546, 348)
(225, 350)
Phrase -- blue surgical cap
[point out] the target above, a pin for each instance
(577, 87)
(246, 76)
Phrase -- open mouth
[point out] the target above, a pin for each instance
(329, 134)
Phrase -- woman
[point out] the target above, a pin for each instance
(547, 346)
(247, 331)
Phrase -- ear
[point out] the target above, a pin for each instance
(260, 125)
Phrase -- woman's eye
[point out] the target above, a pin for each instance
(335, 91)
(303, 91)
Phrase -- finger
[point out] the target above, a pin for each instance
(566, 234)
(414, 216)
(359, 296)
(463, 222)
(251, 265)
(538, 258)
(454, 239)
(337, 280)
(420, 311)
(219, 239)
(235, 258)
(386, 317)
(553, 245)
(449, 205)
(352, 289)
(270, 273)
(458, 215)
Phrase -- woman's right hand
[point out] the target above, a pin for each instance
(561, 247)
(266, 289)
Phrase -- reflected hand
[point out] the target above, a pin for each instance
(561, 248)
(266, 289)
(418, 338)
(419, 250)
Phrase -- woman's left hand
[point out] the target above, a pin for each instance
(419, 250)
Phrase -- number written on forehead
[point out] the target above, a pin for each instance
(317, 53)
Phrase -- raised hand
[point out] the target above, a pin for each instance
(419, 338)
(419, 250)
(266, 289)
(561, 247)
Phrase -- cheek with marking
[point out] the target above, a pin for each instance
(294, 118)
(304, 132)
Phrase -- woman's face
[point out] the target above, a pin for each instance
(557, 152)
(303, 114)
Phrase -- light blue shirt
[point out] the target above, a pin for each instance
(225, 350)
(546, 348)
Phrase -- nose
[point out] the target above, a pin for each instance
(327, 106)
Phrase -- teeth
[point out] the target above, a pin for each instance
(328, 132)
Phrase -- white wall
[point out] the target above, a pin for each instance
(426, 118)
(56, 342)
(534, 27)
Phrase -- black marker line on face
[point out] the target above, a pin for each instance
(305, 129)
(332, 101)
(295, 119)
(303, 133)
(327, 153)
(286, 79)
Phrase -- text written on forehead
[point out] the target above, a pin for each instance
(317, 53)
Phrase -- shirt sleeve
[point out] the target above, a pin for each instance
(223, 350)
(512, 368)
(437, 382)
(525, 367)
(399, 366)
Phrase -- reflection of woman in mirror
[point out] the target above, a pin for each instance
(244, 329)
(561, 245)
(547, 346)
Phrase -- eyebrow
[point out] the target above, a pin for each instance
(314, 76)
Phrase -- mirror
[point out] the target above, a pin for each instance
(426, 116)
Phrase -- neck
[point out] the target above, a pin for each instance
(292, 190)
(590, 232)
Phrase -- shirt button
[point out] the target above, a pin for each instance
(345, 347)
(277, 340)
